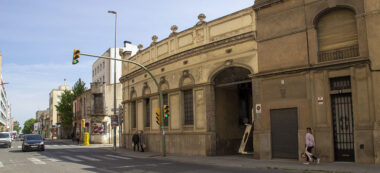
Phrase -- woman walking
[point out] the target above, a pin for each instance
(309, 146)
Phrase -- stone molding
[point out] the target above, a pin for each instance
(193, 52)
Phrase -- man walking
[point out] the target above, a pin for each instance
(142, 140)
(135, 141)
(309, 142)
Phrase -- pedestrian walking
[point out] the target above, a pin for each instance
(135, 141)
(142, 140)
(309, 143)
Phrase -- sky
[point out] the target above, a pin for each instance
(37, 38)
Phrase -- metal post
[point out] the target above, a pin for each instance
(159, 91)
(114, 84)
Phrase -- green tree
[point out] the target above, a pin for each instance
(65, 105)
(16, 126)
(79, 87)
(28, 126)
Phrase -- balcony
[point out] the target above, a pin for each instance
(337, 54)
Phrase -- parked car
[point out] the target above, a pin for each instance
(6, 139)
(33, 142)
(21, 137)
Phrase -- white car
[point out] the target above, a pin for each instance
(6, 139)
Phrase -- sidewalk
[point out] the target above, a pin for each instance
(245, 161)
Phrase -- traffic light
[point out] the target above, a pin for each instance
(76, 56)
(166, 111)
(158, 116)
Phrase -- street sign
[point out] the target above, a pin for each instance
(258, 108)
(114, 120)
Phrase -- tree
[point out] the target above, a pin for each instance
(65, 105)
(16, 126)
(79, 87)
(28, 126)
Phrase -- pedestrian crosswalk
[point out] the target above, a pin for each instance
(46, 160)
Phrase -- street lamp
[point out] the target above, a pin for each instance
(114, 79)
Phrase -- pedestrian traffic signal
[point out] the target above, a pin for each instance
(166, 111)
(158, 116)
(76, 56)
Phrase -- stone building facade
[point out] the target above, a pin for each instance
(281, 65)
(203, 72)
(318, 67)
(95, 107)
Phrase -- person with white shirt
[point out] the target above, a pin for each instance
(309, 143)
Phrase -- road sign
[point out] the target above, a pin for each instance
(114, 120)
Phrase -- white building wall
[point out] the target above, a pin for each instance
(103, 69)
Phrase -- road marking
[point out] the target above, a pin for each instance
(1, 165)
(118, 157)
(36, 161)
(71, 158)
(54, 160)
(88, 158)
(102, 157)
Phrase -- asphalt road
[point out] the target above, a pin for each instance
(73, 158)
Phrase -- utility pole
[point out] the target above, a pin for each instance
(114, 85)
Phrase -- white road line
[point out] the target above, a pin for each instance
(71, 158)
(107, 158)
(1, 165)
(118, 157)
(54, 160)
(88, 158)
(36, 161)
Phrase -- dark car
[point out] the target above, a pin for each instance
(33, 142)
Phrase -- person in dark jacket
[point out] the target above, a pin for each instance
(135, 141)
(142, 140)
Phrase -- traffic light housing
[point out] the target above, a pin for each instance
(158, 116)
(76, 56)
(166, 111)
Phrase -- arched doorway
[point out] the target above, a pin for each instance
(233, 105)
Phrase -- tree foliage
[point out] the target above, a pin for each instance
(79, 87)
(16, 126)
(28, 126)
(65, 105)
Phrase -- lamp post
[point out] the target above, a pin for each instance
(114, 80)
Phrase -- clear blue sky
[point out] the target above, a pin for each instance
(37, 38)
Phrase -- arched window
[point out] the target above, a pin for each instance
(337, 35)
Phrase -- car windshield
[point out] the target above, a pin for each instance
(33, 137)
(4, 135)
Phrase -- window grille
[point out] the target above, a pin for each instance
(340, 83)
(188, 105)
(166, 102)
(133, 109)
(147, 112)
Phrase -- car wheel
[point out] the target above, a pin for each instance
(23, 149)
(43, 149)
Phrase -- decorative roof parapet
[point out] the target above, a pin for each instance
(174, 29)
(201, 18)
(264, 3)
(154, 40)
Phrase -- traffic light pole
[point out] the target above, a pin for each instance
(159, 91)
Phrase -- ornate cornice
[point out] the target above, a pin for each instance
(193, 52)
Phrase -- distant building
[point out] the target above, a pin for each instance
(41, 118)
(5, 119)
(103, 69)
(55, 98)
(95, 107)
